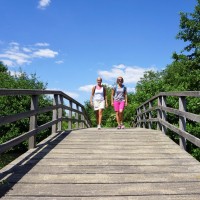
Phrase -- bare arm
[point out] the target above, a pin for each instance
(112, 94)
(126, 98)
(106, 100)
(91, 97)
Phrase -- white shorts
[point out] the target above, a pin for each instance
(99, 104)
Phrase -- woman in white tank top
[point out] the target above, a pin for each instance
(98, 100)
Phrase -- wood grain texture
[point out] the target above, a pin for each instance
(109, 164)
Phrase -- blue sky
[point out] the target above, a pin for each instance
(69, 43)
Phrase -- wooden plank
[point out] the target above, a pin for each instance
(104, 169)
(92, 190)
(108, 164)
(105, 178)
(151, 197)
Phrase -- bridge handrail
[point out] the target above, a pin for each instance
(57, 108)
(144, 117)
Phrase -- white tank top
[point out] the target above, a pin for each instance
(98, 94)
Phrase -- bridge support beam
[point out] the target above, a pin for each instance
(159, 113)
(55, 114)
(150, 115)
(164, 130)
(70, 116)
(60, 112)
(182, 121)
(33, 122)
(77, 116)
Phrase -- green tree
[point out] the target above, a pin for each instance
(189, 31)
(149, 85)
(15, 104)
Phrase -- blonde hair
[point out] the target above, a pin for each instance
(99, 78)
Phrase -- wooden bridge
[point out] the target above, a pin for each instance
(109, 164)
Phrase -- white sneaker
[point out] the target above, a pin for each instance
(99, 127)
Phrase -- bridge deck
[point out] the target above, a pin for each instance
(108, 164)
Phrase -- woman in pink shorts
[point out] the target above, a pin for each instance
(119, 101)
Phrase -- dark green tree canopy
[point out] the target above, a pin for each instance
(190, 31)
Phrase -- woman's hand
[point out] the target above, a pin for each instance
(91, 103)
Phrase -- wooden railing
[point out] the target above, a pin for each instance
(158, 104)
(76, 114)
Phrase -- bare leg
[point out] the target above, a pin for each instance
(117, 118)
(100, 116)
(97, 116)
(121, 116)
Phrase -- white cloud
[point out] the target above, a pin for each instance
(43, 4)
(121, 66)
(7, 62)
(27, 50)
(130, 89)
(13, 73)
(47, 53)
(42, 44)
(17, 55)
(14, 44)
(86, 88)
(72, 94)
(59, 62)
(131, 74)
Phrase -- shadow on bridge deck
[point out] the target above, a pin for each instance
(107, 164)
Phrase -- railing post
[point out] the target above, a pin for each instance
(82, 118)
(33, 122)
(60, 112)
(55, 114)
(70, 116)
(182, 121)
(139, 118)
(159, 114)
(150, 115)
(144, 117)
(77, 116)
(164, 130)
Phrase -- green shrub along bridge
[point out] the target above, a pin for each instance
(82, 162)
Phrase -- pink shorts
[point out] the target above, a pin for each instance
(119, 105)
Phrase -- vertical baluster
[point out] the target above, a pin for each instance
(144, 117)
(70, 116)
(137, 118)
(139, 112)
(82, 118)
(33, 122)
(159, 114)
(164, 130)
(60, 112)
(55, 114)
(182, 121)
(150, 115)
(77, 116)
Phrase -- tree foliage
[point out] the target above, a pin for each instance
(20, 103)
